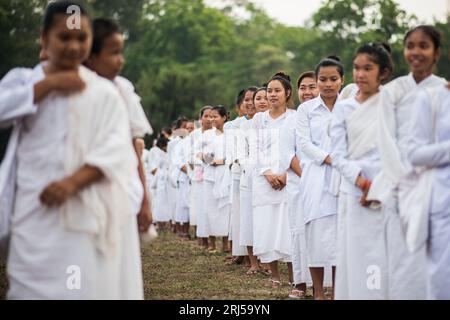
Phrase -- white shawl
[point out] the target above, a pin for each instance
(99, 136)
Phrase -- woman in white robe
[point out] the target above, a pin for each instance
(406, 274)
(318, 201)
(160, 169)
(245, 185)
(217, 180)
(271, 236)
(362, 259)
(430, 151)
(60, 207)
(292, 161)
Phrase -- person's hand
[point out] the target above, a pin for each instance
(364, 185)
(273, 180)
(328, 160)
(67, 81)
(282, 181)
(56, 193)
(144, 217)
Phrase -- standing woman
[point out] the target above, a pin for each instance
(362, 260)
(290, 161)
(392, 186)
(319, 204)
(217, 180)
(430, 145)
(271, 236)
(246, 209)
(197, 210)
(69, 198)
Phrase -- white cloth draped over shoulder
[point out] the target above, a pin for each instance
(361, 233)
(88, 225)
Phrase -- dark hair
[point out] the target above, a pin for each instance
(162, 142)
(330, 61)
(60, 8)
(221, 110)
(307, 74)
(430, 31)
(103, 28)
(285, 81)
(167, 130)
(241, 95)
(380, 54)
(202, 110)
(180, 121)
(263, 88)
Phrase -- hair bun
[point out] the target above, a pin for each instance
(333, 57)
(385, 46)
(283, 75)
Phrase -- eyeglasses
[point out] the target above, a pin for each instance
(310, 87)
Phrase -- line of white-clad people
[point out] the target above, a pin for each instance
(350, 190)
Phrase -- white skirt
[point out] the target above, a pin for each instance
(218, 218)
(172, 200)
(361, 271)
(161, 209)
(246, 212)
(321, 242)
(192, 204)
(203, 228)
(298, 240)
(271, 235)
(131, 283)
(439, 256)
(235, 221)
(406, 271)
(182, 203)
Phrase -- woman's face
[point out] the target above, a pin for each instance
(308, 89)
(248, 104)
(366, 74)
(276, 94)
(261, 102)
(206, 119)
(109, 62)
(217, 119)
(67, 49)
(420, 53)
(329, 82)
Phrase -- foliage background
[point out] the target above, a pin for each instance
(183, 54)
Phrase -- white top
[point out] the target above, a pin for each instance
(431, 146)
(313, 132)
(367, 163)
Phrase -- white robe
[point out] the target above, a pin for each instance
(290, 149)
(319, 204)
(407, 274)
(430, 148)
(361, 271)
(183, 188)
(217, 186)
(233, 145)
(271, 234)
(161, 210)
(88, 225)
(132, 283)
(173, 174)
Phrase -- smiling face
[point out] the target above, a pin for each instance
(66, 49)
(308, 89)
(329, 82)
(217, 119)
(109, 62)
(261, 103)
(366, 74)
(276, 94)
(420, 52)
(249, 107)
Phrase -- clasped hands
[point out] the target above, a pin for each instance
(278, 182)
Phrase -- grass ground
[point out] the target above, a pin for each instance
(177, 270)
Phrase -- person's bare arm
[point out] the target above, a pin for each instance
(58, 192)
(295, 166)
